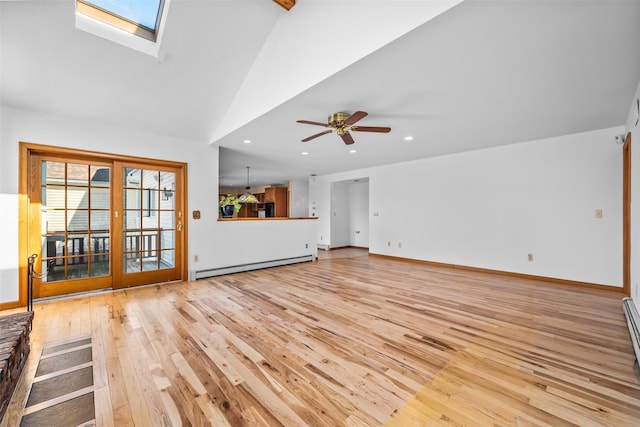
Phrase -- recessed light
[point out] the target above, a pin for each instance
(352, 151)
(305, 153)
(408, 138)
(247, 141)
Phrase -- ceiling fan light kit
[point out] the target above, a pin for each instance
(343, 124)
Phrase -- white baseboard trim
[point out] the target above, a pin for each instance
(212, 272)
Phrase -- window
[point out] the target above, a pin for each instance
(139, 17)
(137, 24)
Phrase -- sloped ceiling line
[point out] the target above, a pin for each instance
(315, 41)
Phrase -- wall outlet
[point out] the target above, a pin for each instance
(399, 244)
(389, 244)
(196, 258)
(599, 213)
(306, 246)
(530, 257)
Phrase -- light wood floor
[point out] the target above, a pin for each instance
(355, 341)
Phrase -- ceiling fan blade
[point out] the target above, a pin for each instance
(317, 135)
(355, 117)
(347, 138)
(371, 129)
(307, 122)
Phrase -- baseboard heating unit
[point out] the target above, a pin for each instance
(211, 272)
(633, 321)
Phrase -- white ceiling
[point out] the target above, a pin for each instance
(482, 74)
(207, 47)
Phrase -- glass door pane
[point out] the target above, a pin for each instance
(148, 232)
(75, 221)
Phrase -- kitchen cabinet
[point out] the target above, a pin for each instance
(279, 196)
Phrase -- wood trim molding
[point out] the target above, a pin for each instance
(626, 215)
(23, 222)
(10, 305)
(596, 286)
(184, 234)
(287, 4)
(49, 150)
(347, 247)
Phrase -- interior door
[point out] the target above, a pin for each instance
(148, 219)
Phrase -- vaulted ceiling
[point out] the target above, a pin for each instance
(454, 76)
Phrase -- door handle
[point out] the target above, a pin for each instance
(179, 226)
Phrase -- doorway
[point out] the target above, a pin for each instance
(100, 221)
(350, 213)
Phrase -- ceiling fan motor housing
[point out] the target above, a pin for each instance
(337, 119)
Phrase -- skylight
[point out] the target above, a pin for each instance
(137, 24)
(139, 17)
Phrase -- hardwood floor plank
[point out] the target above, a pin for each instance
(102, 403)
(139, 409)
(350, 340)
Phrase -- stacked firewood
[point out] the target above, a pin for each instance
(14, 349)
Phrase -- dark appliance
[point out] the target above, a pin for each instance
(269, 209)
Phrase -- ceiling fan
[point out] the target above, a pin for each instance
(343, 124)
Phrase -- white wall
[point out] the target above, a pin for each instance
(299, 198)
(8, 252)
(246, 242)
(358, 194)
(634, 128)
(217, 244)
(339, 214)
(490, 208)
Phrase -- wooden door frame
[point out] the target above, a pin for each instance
(626, 216)
(28, 149)
(125, 280)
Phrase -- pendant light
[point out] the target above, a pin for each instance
(247, 197)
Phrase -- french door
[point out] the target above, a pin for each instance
(103, 221)
(148, 224)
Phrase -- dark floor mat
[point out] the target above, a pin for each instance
(63, 361)
(60, 385)
(71, 413)
(62, 391)
(62, 347)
